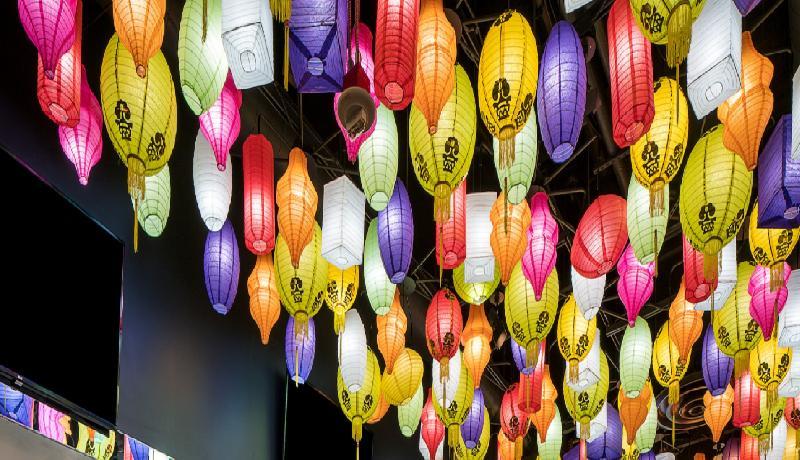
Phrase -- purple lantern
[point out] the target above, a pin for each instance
(16, 405)
(731, 450)
(473, 424)
(221, 268)
(300, 344)
(649, 455)
(717, 366)
(609, 444)
(396, 234)
(318, 45)
(779, 180)
(137, 449)
(562, 91)
(521, 358)
(573, 454)
(746, 6)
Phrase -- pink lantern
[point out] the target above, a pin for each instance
(540, 254)
(766, 304)
(83, 144)
(50, 26)
(220, 124)
(635, 285)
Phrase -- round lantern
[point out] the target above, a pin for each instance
(476, 338)
(530, 320)
(220, 124)
(299, 347)
(543, 417)
(396, 234)
(297, 204)
(377, 160)
(59, 90)
(457, 405)
(265, 304)
(474, 293)
(769, 365)
(352, 352)
(646, 231)
(318, 45)
(396, 52)
(481, 447)
(601, 236)
(436, 56)
(201, 57)
(301, 289)
(633, 411)
(380, 290)
(212, 187)
(431, 428)
(359, 406)
(140, 25)
(746, 401)
(513, 420)
(736, 332)
(575, 336)
(258, 166)
(408, 414)
(718, 411)
(83, 143)
(686, 324)
(392, 333)
(515, 179)
(778, 179)
(766, 304)
(588, 292)
(50, 26)
(380, 411)
(510, 224)
(635, 354)
(585, 405)
(668, 22)
(789, 318)
(539, 257)
(550, 449)
(667, 366)
(771, 247)
(248, 41)
(473, 425)
(443, 325)
(221, 268)
(399, 387)
(717, 366)
(451, 236)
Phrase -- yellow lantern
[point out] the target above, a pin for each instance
(686, 324)
(265, 305)
(668, 22)
(769, 364)
(542, 418)
(718, 411)
(301, 289)
(392, 332)
(476, 339)
(399, 386)
(436, 56)
(140, 26)
(735, 330)
(457, 406)
(509, 236)
(527, 319)
(575, 335)
(297, 204)
(383, 408)
(475, 293)
(770, 416)
(359, 406)
(583, 406)
(481, 447)
(507, 76)
(341, 292)
(770, 247)
(668, 368)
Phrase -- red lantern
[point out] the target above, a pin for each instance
(601, 236)
(748, 448)
(443, 325)
(396, 52)
(698, 288)
(259, 194)
(432, 429)
(531, 385)
(60, 95)
(512, 419)
(630, 69)
(746, 402)
(792, 412)
(451, 236)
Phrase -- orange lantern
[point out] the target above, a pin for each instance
(297, 205)
(718, 411)
(392, 332)
(508, 450)
(686, 324)
(140, 26)
(541, 419)
(436, 59)
(380, 411)
(476, 339)
(633, 411)
(265, 304)
(509, 236)
(745, 114)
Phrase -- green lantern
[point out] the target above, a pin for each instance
(408, 414)
(515, 179)
(475, 293)
(646, 232)
(635, 354)
(154, 209)
(380, 290)
(646, 435)
(377, 160)
(201, 57)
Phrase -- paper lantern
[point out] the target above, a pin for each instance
(766, 304)
(201, 56)
(220, 124)
(633, 411)
(318, 45)
(585, 405)
(509, 236)
(359, 406)
(530, 320)
(301, 289)
(630, 70)
(769, 365)
(352, 352)
(718, 411)
(645, 230)
(601, 236)
(153, 211)
(475, 293)
(736, 332)
(745, 114)
(83, 143)
(771, 247)
(341, 292)
(777, 442)
(635, 354)
(635, 284)
(377, 160)
(746, 401)
(265, 307)
(715, 57)
(588, 292)
(16, 406)
(575, 336)
(520, 356)
(343, 223)
(770, 415)
(258, 166)
(221, 267)
(513, 420)
(396, 51)
(396, 234)
(790, 450)
(380, 411)
(408, 414)
(507, 75)
(508, 450)
(443, 325)
(609, 444)
(597, 426)
(59, 89)
(451, 235)
(473, 425)
(399, 386)
(717, 366)
(436, 56)
(441, 159)
(561, 101)
(668, 22)
(479, 262)
(667, 366)
(476, 338)
(779, 179)
(686, 324)
(481, 447)
(423, 450)
(248, 41)
(588, 368)
(431, 428)
(297, 204)
(140, 26)
(441, 386)
(790, 387)
(646, 435)
(457, 405)
(789, 318)
(696, 285)
(212, 187)
(539, 257)
(50, 26)
(392, 333)
(712, 218)
(550, 449)
(299, 347)
(380, 290)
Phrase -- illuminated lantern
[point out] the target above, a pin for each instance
(790, 387)
(561, 101)
(396, 234)
(436, 56)
(771, 247)
(83, 143)
(341, 292)
(476, 338)
(220, 124)
(779, 179)
(608, 444)
(377, 160)
(343, 223)
(597, 426)
(515, 179)
(248, 42)
(726, 278)
(408, 414)
(59, 90)
(443, 325)
(585, 405)
(667, 366)
(789, 318)
(16, 406)
(297, 204)
(766, 304)
(481, 447)
(635, 284)
(508, 238)
(479, 263)
(299, 347)
(777, 442)
(539, 257)
(380, 411)
(201, 56)
(457, 405)
(736, 332)
(359, 406)
(473, 425)
(601, 236)
(589, 368)
(588, 292)
(790, 450)
(154, 209)
(745, 114)
(431, 428)
(746, 401)
(635, 354)
(792, 412)
(399, 386)
(508, 450)
(769, 365)
(630, 70)
(530, 320)
(513, 420)
(696, 287)
(380, 290)
(551, 449)
(646, 435)
(543, 417)
(646, 231)
(668, 22)
(633, 411)
(301, 289)
(770, 415)
(686, 324)
(575, 336)
(50, 26)
(714, 64)
(451, 236)
(507, 75)
(748, 449)
(392, 333)
(265, 306)
(396, 52)
(529, 390)
(140, 26)
(475, 293)
(712, 218)
(717, 366)
(212, 187)
(221, 267)
(441, 160)
(318, 45)
(352, 352)
(423, 450)
(258, 166)
(718, 411)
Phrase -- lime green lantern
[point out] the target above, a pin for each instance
(377, 160)
(770, 414)
(408, 414)
(201, 57)
(646, 435)
(635, 354)
(646, 230)
(530, 320)
(380, 290)
(475, 293)
(302, 289)
(515, 179)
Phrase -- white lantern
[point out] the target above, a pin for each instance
(353, 351)
(635, 354)
(408, 414)
(790, 387)
(342, 223)
(551, 449)
(714, 64)
(796, 115)
(423, 450)
(248, 42)
(479, 264)
(450, 384)
(572, 5)
(154, 209)
(212, 187)
(597, 426)
(777, 441)
(589, 368)
(726, 279)
(588, 293)
(789, 318)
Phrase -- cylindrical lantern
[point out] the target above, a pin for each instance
(248, 42)
(221, 267)
(515, 179)
(509, 236)
(59, 90)
(341, 292)
(476, 338)
(543, 417)
(297, 204)
(265, 305)
(479, 263)
(83, 143)
(352, 352)
(585, 405)
(258, 167)
(718, 411)
(736, 332)
(431, 428)
(717, 366)
(220, 124)
(635, 284)
(473, 425)
(301, 289)
(633, 411)
(474, 293)
(153, 211)
(779, 179)
(318, 45)
(408, 414)
(399, 386)
(212, 187)
(443, 326)
(575, 336)
(343, 223)
(201, 56)
(140, 25)
(789, 318)
(396, 51)
(436, 56)
(50, 26)
(451, 235)
(530, 320)
(771, 247)
(539, 257)
(769, 365)
(686, 324)
(359, 406)
(668, 22)
(646, 230)
(513, 420)
(377, 160)
(601, 236)
(300, 347)
(766, 304)
(392, 333)
(667, 367)
(589, 292)
(635, 354)
(396, 234)
(380, 290)
(746, 401)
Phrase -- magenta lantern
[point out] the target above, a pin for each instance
(539, 257)
(635, 285)
(765, 304)
(50, 26)
(220, 124)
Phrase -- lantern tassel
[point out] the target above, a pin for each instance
(506, 151)
(573, 371)
(776, 277)
(136, 225)
(585, 430)
(441, 202)
(657, 198)
(286, 55)
(296, 366)
(338, 322)
(711, 258)
(441, 253)
(532, 353)
(136, 191)
(453, 432)
(764, 444)
(772, 394)
(679, 34)
(741, 362)
(444, 369)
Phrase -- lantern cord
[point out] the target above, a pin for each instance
(573, 370)
(286, 55)
(505, 204)
(532, 353)
(136, 225)
(357, 20)
(205, 19)
(506, 152)
(679, 34)
(441, 202)
(774, 318)
(296, 366)
(655, 253)
(358, 450)
(301, 122)
(441, 253)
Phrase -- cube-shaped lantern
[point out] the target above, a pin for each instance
(342, 223)
(479, 264)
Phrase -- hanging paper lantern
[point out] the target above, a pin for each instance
(630, 70)
(609, 444)
(686, 324)
(745, 114)
(392, 333)
(769, 365)
(258, 166)
(59, 89)
(584, 406)
(635, 284)
(153, 211)
(297, 204)
(698, 288)
(221, 267)
(300, 346)
(771, 247)
(667, 366)
(443, 325)
(396, 234)
(646, 435)
(508, 450)
(789, 318)
(766, 304)
(712, 218)
(436, 56)
(140, 26)
(220, 124)
(718, 411)
(248, 42)
(633, 411)
(779, 179)
(635, 354)
(301, 289)
(575, 336)
(717, 366)
(352, 352)
(543, 417)
(515, 179)
(423, 450)
(770, 415)
(508, 238)
(588, 292)
(539, 257)
(589, 368)
(562, 97)
(476, 339)
(457, 405)
(380, 290)
(50, 26)
(431, 428)
(16, 406)
(201, 56)
(507, 77)
(475, 293)
(396, 52)
(83, 143)
(340, 295)
(473, 425)
(359, 406)
(668, 22)
(318, 45)
(746, 401)
(480, 262)
(265, 307)
(212, 187)
(530, 320)
(343, 223)
(601, 236)
(481, 447)
(399, 386)
(597, 426)
(513, 421)
(646, 231)
(790, 387)
(380, 411)
(441, 160)
(451, 236)
(408, 414)
(377, 160)
(550, 449)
